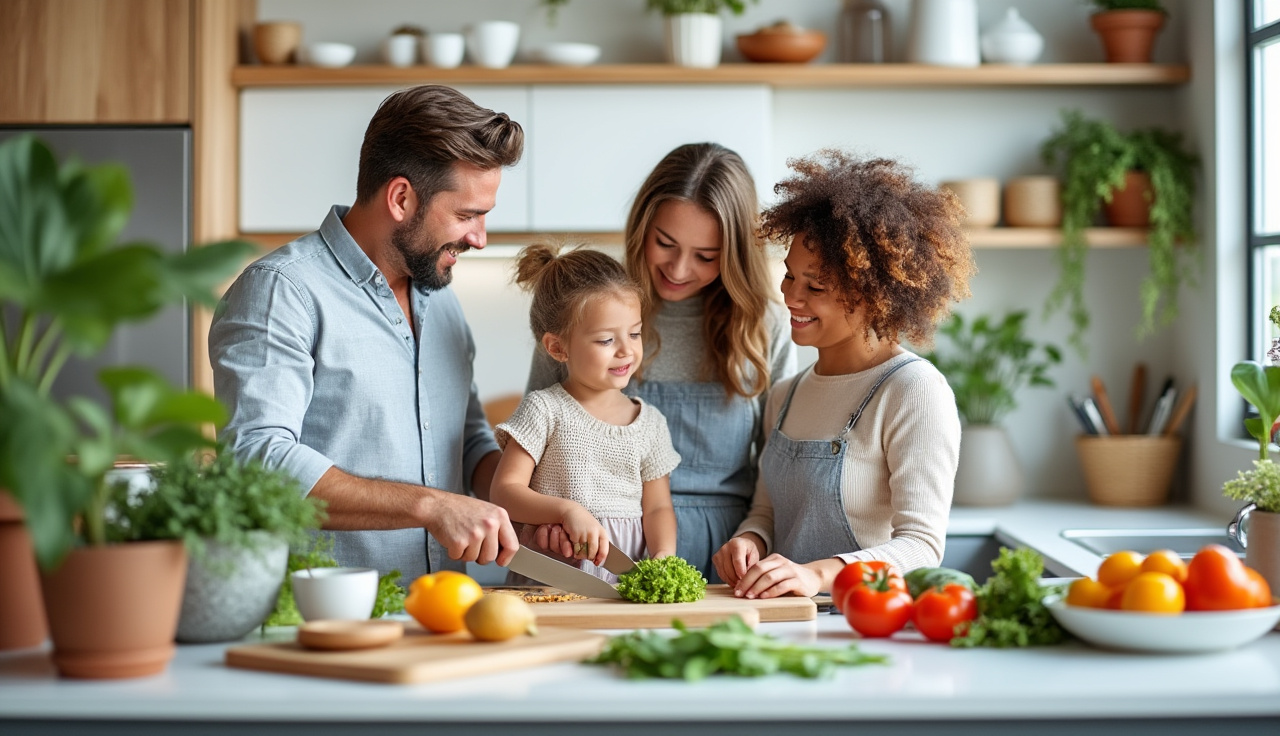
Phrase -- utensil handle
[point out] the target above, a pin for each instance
(1137, 393)
(1181, 411)
(1104, 406)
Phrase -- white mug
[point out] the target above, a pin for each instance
(343, 593)
(943, 32)
(443, 50)
(400, 49)
(492, 43)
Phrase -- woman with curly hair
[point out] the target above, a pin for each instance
(861, 456)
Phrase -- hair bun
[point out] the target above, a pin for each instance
(532, 263)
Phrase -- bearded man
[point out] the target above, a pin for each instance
(345, 360)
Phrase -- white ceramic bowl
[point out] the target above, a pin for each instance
(335, 593)
(1193, 631)
(567, 54)
(330, 55)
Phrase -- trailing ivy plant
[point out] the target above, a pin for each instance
(678, 7)
(1094, 157)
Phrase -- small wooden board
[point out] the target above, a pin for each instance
(782, 608)
(599, 613)
(421, 656)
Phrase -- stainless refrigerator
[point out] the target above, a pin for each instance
(159, 164)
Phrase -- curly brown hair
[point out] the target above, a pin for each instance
(885, 242)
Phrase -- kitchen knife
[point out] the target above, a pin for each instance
(618, 562)
(559, 575)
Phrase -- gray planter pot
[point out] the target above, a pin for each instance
(232, 590)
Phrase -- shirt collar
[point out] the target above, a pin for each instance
(344, 247)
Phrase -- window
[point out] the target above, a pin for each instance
(1263, 65)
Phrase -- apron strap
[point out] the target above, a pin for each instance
(786, 404)
(853, 420)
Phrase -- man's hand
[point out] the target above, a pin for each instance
(471, 530)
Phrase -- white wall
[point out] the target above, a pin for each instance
(946, 134)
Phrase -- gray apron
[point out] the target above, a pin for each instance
(711, 488)
(803, 478)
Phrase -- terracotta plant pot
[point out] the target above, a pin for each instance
(22, 622)
(113, 610)
(1130, 205)
(1128, 35)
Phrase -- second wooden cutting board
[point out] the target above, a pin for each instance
(720, 604)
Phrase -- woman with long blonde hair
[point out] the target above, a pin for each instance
(715, 340)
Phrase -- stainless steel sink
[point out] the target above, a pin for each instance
(1186, 542)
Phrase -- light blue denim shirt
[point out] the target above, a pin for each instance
(315, 360)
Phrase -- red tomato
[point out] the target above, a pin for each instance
(938, 611)
(856, 573)
(877, 608)
(1217, 581)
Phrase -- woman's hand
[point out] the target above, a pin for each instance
(590, 540)
(553, 538)
(775, 575)
(737, 556)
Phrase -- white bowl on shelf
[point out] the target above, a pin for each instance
(329, 54)
(567, 54)
(1183, 633)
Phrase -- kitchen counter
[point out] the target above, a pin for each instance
(989, 691)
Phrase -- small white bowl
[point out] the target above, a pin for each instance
(567, 54)
(335, 593)
(1183, 633)
(330, 55)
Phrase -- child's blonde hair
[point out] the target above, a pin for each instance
(563, 285)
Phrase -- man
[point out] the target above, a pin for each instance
(344, 359)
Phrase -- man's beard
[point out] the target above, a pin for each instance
(424, 262)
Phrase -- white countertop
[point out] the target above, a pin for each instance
(922, 682)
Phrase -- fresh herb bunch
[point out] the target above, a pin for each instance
(729, 647)
(992, 361)
(665, 580)
(1260, 386)
(713, 7)
(222, 500)
(1011, 611)
(320, 554)
(1104, 5)
(1094, 157)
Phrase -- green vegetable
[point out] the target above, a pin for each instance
(1010, 611)
(730, 647)
(666, 580)
(390, 595)
(924, 578)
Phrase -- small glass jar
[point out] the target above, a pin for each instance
(864, 32)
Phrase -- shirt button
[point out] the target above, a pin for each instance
(426, 425)
(431, 477)
(399, 320)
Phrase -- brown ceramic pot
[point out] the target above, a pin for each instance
(113, 610)
(1128, 36)
(1130, 205)
(22, 622)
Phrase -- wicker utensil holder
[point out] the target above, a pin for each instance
(1128, 470)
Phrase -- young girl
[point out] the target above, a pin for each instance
(581, 454)
(716, 339)
(861, 457)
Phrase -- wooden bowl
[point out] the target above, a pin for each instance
(774, 45)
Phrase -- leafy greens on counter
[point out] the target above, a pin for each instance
(1010, 608)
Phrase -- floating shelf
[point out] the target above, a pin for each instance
(777, 75)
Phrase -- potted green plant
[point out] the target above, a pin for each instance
(238, 521)
(65, 284)
(1100, 165)
(693, 29)
(1128, 28)
(987, 363)
(1260, 487)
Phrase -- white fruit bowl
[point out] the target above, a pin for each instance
(567, 54)
(1184, 633)
(330, 55)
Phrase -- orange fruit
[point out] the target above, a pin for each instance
(1119, 568)
(1261, 589)
(440, 601)
(1088, 593)
(1168, 562)
(1153, 592)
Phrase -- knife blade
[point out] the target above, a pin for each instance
(559, 575)
(618, 562)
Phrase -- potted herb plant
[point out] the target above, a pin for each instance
(1260, 487)
(1103, 166)
(693, 29)
(1128, 28)
(986, 364)
(237, 519)
(65, 284)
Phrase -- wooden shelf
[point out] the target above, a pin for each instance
(777, 75)
(1009, 238)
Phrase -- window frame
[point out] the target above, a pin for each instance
(1255, 39)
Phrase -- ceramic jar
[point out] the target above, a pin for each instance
(693, 40)
(1011, 41)
(276, 42)
(400, 49)
(943, 33)
(988, 473)
(443, 50)
(492, 44)
(1033, 201)
(864, 32)
(981, 200)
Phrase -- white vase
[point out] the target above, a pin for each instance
(943, 33)
(1011, 40)
(693, 39)
(492, 44)
(989, 473)
(400, 50)
(1259, 533)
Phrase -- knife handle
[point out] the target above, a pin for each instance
(1104, 406)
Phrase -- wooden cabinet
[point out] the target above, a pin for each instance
(95, 61)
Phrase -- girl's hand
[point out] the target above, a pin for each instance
(775, 575)
(736, 557)
(553, 538)
(590, 540)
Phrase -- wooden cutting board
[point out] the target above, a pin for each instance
(421, 656)
(782, 608)
(720, 604)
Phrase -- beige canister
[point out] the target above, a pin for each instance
(1033, 201)
(276, 42)
(981, 199)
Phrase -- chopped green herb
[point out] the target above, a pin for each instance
(1010, 608)
(666, 580)
(390, 595)
(728, 647)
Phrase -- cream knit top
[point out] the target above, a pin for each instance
(900, 465)
(601, 466)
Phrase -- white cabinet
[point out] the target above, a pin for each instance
(300, 152)
(591, 146)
